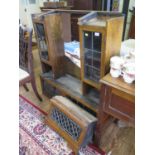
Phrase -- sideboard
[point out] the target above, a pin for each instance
(117, 100)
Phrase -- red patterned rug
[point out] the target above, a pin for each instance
(35, 138)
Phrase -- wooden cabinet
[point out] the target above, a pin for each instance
(118, 98)
(117, 101)
(98, 42)
(50, 37)
(59, 74)
(100, 38)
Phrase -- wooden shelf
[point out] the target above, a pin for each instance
(71, 87)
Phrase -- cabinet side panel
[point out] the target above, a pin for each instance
(54, 29)
(66, 21)
(113, 41)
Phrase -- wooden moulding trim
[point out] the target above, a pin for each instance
(103, 52)
(43, 112)
(91, 28)
(81, 52)
(113, 14)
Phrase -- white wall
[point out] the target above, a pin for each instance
(22, 15)
(25, 16)
(41, 3)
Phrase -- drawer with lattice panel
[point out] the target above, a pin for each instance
(73, 123)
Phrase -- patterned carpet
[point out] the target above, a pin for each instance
(35, 138)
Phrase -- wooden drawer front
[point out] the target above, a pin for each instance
(119, 104)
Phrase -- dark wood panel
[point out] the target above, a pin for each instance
(132, 25)
(118, 98)
(119, 104)
(83, 4)
(66, 21)
(54, 28)
(75, 26)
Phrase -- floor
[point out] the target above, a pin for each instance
(115, 140)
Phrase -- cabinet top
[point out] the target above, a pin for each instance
(96, 18)
(119, 83)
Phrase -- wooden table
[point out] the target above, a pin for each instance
(117, 100)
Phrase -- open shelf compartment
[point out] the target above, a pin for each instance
(71, 87)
